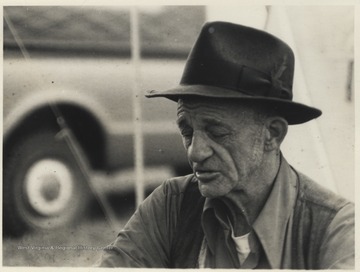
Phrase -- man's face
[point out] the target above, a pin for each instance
(225, 146)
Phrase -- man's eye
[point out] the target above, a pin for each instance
(218, 133)
(187, 135)
(186, 132)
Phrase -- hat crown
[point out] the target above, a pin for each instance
(241, 58)
(231, 61)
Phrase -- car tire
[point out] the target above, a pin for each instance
(43, 187)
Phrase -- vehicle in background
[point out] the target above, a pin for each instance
(77, 83)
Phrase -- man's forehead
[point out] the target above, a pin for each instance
(214, 104)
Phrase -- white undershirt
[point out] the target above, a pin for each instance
(242, 245)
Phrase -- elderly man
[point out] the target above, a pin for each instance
(244, 206)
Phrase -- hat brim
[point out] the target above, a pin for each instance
(293, 112)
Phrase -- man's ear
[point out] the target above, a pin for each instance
(276, 131)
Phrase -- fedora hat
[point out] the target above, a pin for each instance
(239, 62)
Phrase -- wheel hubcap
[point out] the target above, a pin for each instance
(49, 186)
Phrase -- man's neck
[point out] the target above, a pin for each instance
(250, 202)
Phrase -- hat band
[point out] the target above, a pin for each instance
(228, 75)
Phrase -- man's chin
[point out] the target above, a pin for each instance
(208, 191)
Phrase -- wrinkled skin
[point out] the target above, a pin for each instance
(226, 148)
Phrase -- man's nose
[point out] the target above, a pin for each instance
(199, 149)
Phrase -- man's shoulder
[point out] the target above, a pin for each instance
(323, 227)
(313, 194)
(178, 185)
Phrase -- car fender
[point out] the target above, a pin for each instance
(44, 98)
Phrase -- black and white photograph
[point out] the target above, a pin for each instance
(183, 135)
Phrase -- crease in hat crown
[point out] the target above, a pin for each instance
(235, 61)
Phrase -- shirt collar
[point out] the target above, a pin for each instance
(270, 226)
(212, 218)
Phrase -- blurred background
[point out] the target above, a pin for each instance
(82, 146)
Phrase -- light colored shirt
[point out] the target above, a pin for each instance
(242, 246)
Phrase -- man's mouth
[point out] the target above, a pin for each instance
(206, 175)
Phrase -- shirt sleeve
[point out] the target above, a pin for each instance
(338, 248)
(145, 240)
